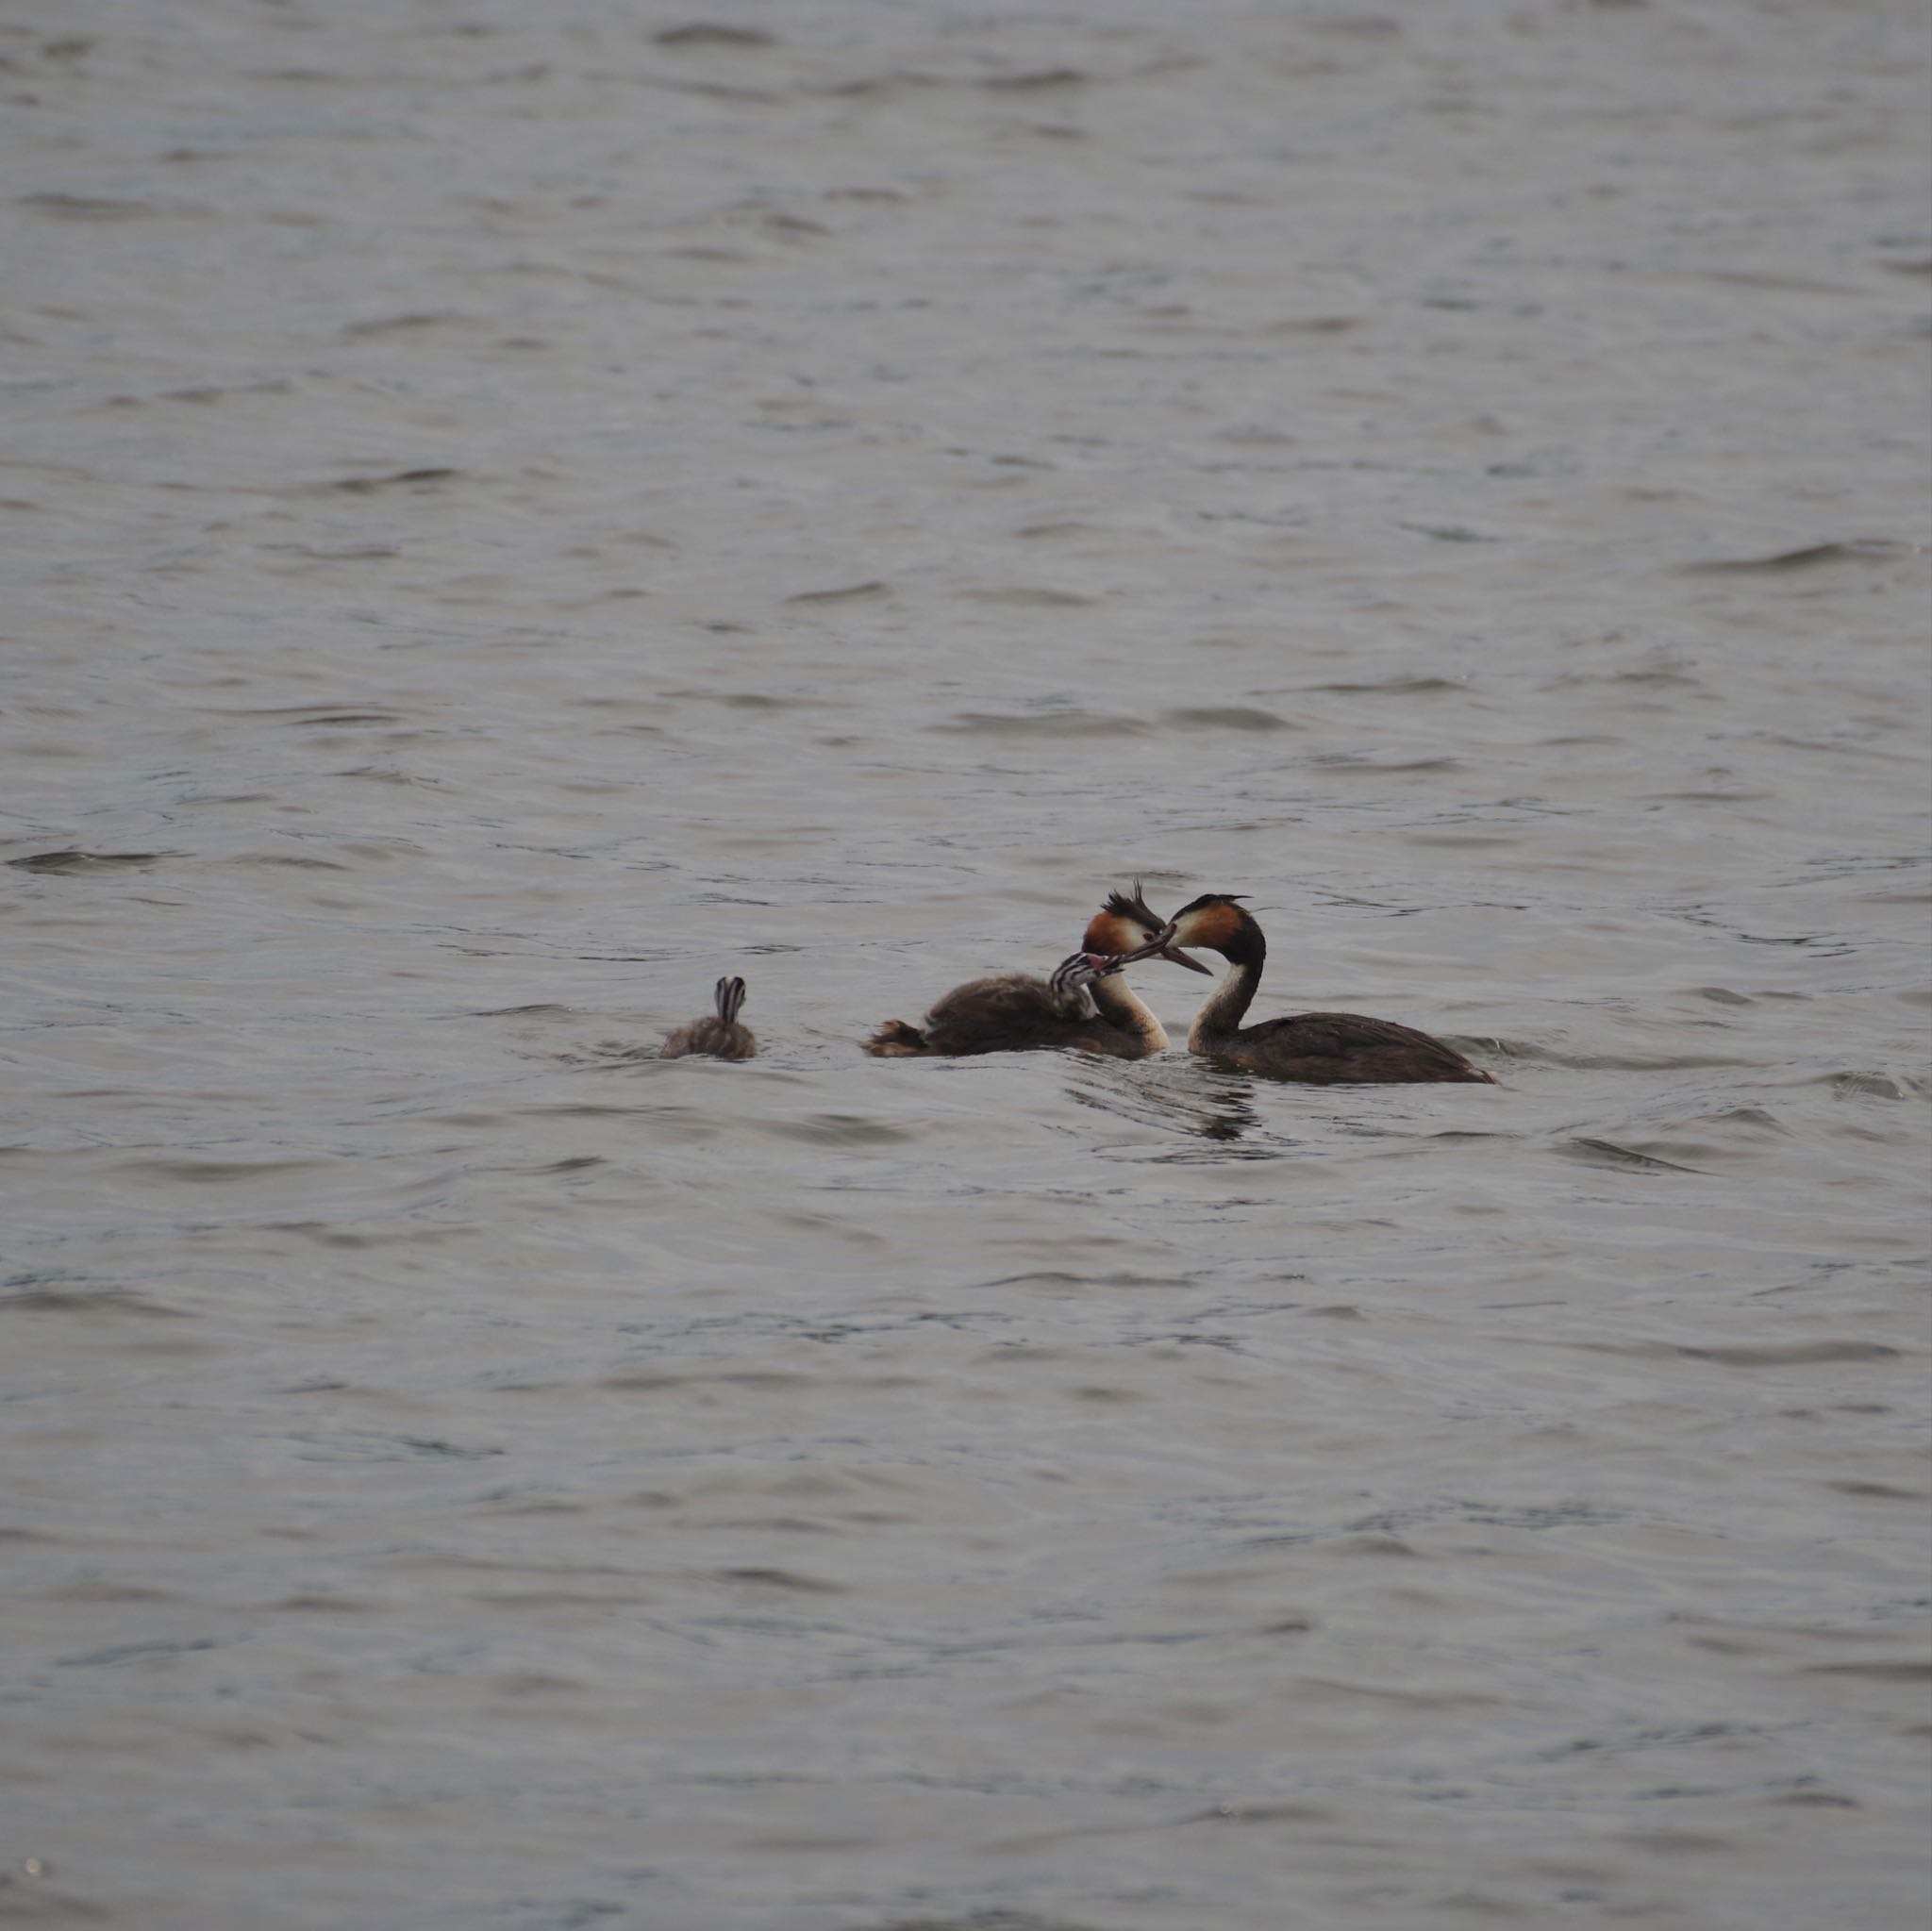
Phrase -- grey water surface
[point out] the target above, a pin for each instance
(512, 511)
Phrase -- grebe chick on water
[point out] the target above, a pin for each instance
(1313, 1048)
(722, 1037)
(1015, 1012)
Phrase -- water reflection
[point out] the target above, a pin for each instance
(1192, 1098)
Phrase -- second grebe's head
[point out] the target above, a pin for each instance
(1214, 919)
(1125, 924)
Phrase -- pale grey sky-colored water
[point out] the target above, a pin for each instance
(510, 513)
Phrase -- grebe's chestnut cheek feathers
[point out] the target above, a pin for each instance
(1106, 934)
(1213, 919)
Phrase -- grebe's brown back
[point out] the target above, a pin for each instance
(1313, 1048)
(719, 1035)
(1016, 1013)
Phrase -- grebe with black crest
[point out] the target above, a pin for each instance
(1311, 1048)
(1095, 1009)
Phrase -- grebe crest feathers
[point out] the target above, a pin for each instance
(1122, 923)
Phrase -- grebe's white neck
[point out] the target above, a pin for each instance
(1121, 1005)
(1222, 1010)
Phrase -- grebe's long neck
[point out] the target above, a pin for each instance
(1220, 1017)
(1121, 1005)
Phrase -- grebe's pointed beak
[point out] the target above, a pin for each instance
(1162, 946)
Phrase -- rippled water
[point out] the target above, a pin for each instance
(513, 511)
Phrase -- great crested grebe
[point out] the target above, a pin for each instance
(1314, 1048)
(1011, 1012)
(722, 1037)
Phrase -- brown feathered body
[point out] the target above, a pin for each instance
(1016, 1013)
(718, 1036)
(1310, 1048)
(1009, 1012)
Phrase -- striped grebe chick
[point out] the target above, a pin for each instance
(1014, 1012)
(719, 1035)
(1311, 1048)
